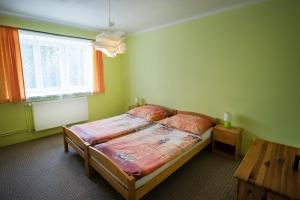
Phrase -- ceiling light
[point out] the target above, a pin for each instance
(109, 42)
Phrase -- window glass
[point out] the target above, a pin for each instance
(50, 66)
(56, 65)
(28, 65)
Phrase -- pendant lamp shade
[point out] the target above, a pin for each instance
(110, 43)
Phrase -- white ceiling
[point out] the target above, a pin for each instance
(129, 15)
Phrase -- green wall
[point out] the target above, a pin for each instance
(16, 117)
(245, 61)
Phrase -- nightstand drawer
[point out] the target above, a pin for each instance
(224, 137)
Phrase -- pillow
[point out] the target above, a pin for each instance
(189, 123)
(150, 112)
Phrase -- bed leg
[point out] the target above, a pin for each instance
(87, 167)
(88, 170)
(66, 144)
(131, 189)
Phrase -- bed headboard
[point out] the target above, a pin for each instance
(170, 110)
(213, 120)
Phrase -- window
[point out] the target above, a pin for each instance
(56, 65)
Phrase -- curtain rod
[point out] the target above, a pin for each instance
(25, 29)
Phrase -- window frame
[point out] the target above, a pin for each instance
(65, 88)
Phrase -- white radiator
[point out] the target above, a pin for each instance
(50, 114)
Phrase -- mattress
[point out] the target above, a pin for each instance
(142, 181)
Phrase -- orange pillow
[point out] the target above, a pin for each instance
(150, 112)
(189, 123)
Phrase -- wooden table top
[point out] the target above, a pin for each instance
(270, 165)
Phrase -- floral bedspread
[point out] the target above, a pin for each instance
(110, 128)
(140, 153)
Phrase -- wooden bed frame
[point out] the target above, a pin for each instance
(81, 146)
(130, 192)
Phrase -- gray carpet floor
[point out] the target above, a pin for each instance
(41, 170)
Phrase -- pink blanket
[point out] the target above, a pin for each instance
(140, 153)
(110, 128)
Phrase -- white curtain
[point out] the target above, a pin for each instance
(56, 66)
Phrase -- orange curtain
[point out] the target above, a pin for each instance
(98, 73)
(11, 74)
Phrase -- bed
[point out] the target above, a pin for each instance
(83, 135)
(133, 177)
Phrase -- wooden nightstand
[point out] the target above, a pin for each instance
(227, 141)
